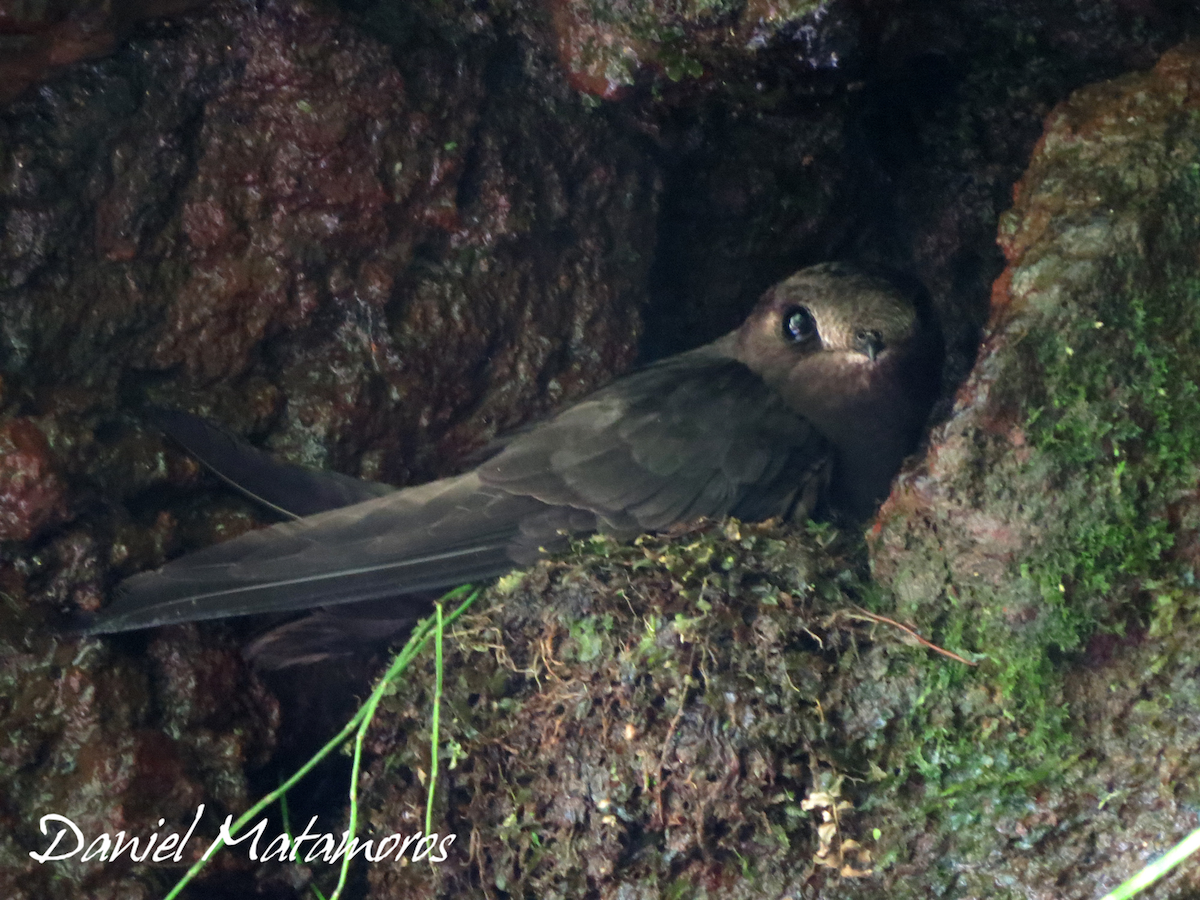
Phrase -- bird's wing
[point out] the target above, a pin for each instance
(445, 533)
(698, 434)
(290, 490)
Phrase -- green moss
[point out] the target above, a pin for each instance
(672, 688)
(588, 635)
(1108, 406)
(1129, 434)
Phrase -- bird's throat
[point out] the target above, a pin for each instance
(866, 413)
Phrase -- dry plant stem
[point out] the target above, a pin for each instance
(872, 617)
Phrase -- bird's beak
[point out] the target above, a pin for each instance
(868, 343)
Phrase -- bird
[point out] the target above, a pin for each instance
(811, 404)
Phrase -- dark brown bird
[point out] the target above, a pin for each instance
(816, 398)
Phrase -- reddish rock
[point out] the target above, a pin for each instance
(255, 212)
(38, 38)
(32, 496)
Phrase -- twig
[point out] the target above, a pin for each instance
(860, 613)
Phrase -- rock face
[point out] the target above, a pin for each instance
(1052, 525)
(371, 237)
(266, 203)
(258, 214)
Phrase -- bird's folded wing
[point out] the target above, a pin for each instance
(436, 535)
(291, 490)
(698, 434)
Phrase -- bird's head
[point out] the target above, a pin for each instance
(828, 318)
(851, 353)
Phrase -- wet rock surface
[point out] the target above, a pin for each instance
(258, 215)
(39, 37)
(370, 238)
(120, 745)
(273, 209)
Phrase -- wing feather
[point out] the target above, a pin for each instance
(290, 490)
(438, 535)
(699, 434)
(696, 435)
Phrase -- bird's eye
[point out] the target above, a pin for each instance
(798, 324)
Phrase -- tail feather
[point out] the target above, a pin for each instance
(290, 490)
